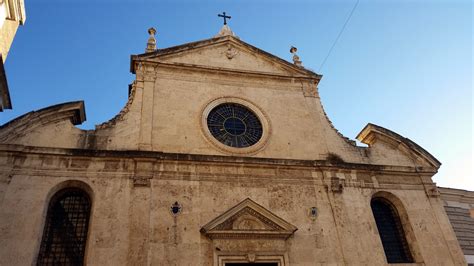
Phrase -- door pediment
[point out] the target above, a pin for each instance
(248, 220)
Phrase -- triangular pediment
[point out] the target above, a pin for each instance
(248, 220)
(225, 53)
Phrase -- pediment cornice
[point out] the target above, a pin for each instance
(22, 125)
(162, 54)
(373, 133)
(248, 220)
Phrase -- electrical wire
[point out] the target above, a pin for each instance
(339, 35)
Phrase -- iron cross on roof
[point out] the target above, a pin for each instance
(225, 17)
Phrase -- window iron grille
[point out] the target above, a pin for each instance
(65, 231)
(391, 232)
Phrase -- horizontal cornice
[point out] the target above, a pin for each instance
(216, 159)
(214, 70)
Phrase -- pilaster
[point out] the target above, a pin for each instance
(146, 77)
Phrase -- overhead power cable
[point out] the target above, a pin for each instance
(339, 35)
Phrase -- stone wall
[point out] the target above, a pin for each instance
(131, 223)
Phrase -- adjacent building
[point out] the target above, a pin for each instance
(459, 205)
(12, 15)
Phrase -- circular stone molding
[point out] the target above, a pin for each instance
(258, 146)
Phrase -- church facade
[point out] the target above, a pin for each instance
(223, 155)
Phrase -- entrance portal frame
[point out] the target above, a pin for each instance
(249, 233)
(222, 260)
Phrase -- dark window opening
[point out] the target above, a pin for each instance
(65, 231)
(391, 231)
(256, 264)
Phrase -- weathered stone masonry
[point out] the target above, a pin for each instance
(301, 195)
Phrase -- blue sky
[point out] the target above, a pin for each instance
(403, 65)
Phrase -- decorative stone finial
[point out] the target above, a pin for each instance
(151, 44)
(225, 31)
(296, 58)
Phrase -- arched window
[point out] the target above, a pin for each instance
(65, 230)
(391, 231)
